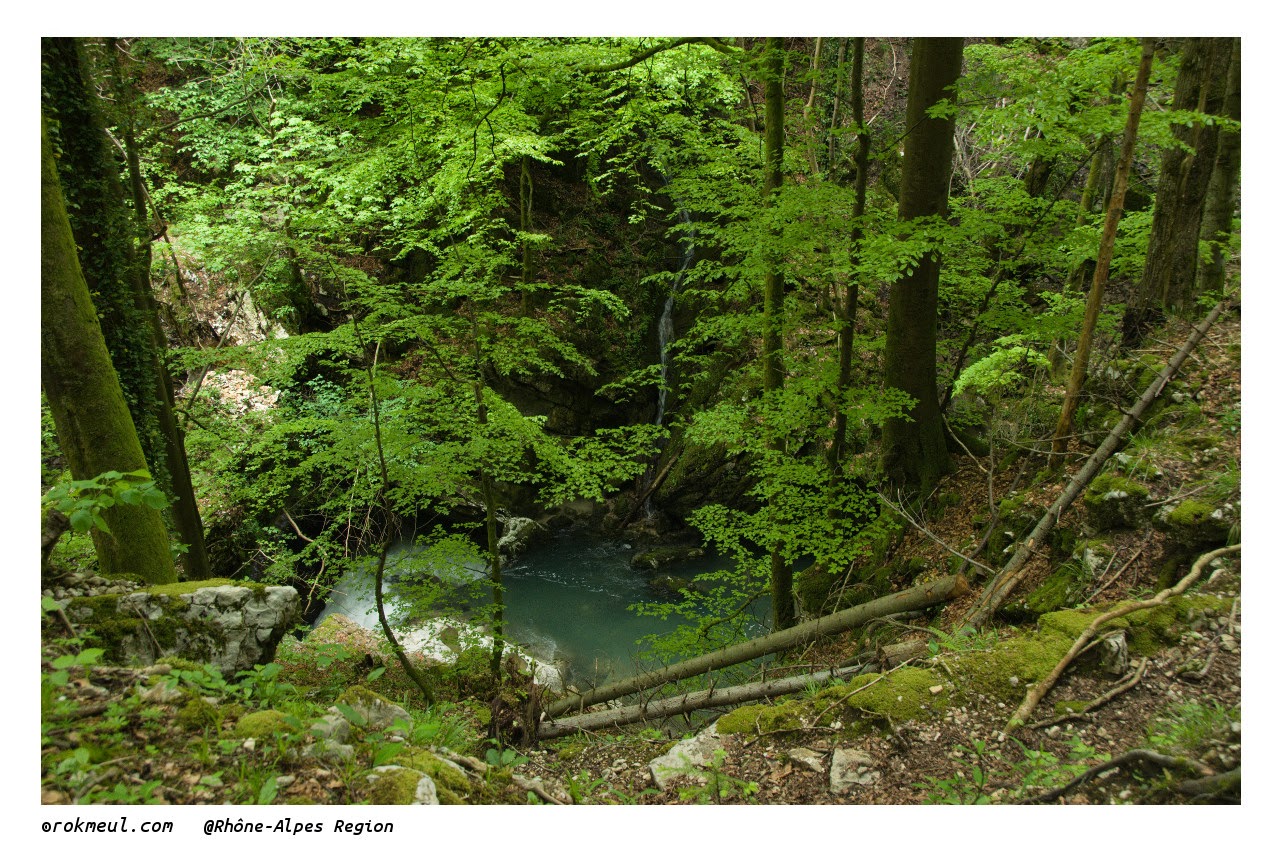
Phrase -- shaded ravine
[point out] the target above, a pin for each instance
(567, 603)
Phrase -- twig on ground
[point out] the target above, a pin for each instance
(1035, 694)
(849, 695)
(1128, 563)
(1139, 756)
(1124, 686)
(986, 569)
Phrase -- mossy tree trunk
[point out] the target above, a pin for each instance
(1168, 277)
(774, 368)
(117, 275)
(1220, 206)
(915, 449)
(89, 411)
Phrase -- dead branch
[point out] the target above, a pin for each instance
(1137, 756)
(1035, 694)
(1125, 685)
(917, 597)
(1002, 584)
(680, 704)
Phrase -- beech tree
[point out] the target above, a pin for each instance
(94, 428)
(1186, 166)
(118, 280)
(915, 449)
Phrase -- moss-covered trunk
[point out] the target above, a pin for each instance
(915, 449)
(117, 276)
(1168, 277)
(89, 411)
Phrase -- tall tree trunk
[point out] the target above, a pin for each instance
(119, 278)
(1168, 278)
(1094, 304)
(774, 369)
(915, 449)
(849, 308)
(89, 411)
(1220, 206)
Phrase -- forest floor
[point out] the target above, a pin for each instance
(1186, 704)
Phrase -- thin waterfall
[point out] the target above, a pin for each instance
(665, 326)
(666, 332)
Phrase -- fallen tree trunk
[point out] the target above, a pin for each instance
(1002, 584)
(691, 701)
(917, 597)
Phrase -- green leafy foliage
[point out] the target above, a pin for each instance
(83, 501)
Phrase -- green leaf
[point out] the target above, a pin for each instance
(81, 520)
(376, 673)
(268, 792)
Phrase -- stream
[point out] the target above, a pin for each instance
(566, 603)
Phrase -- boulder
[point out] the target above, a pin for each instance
(234, 626)
(517, 533)
(685, 758)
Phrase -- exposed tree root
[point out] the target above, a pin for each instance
(1138, 756)
(1036, 694)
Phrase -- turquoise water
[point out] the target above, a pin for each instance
(567, 602)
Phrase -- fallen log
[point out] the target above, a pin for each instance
(917, 597)
(691, 701)
(1002, 584)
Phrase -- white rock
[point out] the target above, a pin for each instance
(685, 758)
(851, 767)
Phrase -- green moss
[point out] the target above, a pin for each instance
(759, 718)
(571, 751)
(1067, 707)
(1003, 672)
(1114, 501)
(901, 695)
(261, 724)
(395, 786)
(1071, 623)
(1162, 626)
(452, 787)
(198, 714)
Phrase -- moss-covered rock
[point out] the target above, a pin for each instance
(663, 556)
(1015, 518)
(1069, 581)
(399, 785)
(901, 695)
(377, 712)
(760, 718)
(262, 724)
(1004, 671)
(1114, 502)
(452, 784)
(1159, 627)
(1195, 525)
(198, 714)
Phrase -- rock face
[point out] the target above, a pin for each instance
(517, 532)
(685, 758)
(233, 626)
(851, 767)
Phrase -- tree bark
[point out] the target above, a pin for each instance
(118, 278)
(689, 702)
(915, 448)
(780, 579)
(1093, 307)
(849, 308)
(1002, 584)
(917, 597)
(89, 411)
(1168, 277)
(1220, 206)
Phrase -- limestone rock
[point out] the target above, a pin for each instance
(377, 711)
(851, 767)
(517, 533)
(233, 626)
(806, 757)
(687, 756)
